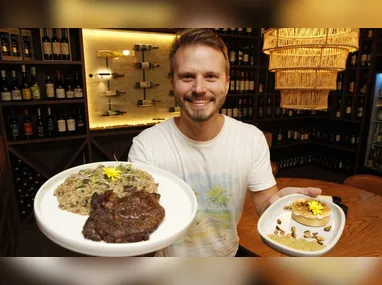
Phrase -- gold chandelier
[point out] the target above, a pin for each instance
(306, 62)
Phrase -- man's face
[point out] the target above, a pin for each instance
(200, 82)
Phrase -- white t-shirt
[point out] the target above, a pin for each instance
(219, 171)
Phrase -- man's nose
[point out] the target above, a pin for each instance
(199, 86)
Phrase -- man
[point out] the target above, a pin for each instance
(219, 157)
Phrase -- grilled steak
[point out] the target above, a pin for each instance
(119, 220)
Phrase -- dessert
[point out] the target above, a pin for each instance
(310, 212)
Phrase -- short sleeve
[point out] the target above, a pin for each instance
(139, 153)
(261, 176)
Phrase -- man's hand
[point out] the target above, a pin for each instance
(310, 191)
(263, 199)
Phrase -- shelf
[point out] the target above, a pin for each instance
(241, 94)
(342, 148)
(244, 66)
(45, 140)
(52, 62)
(377, 144)
(284, 118)
(339, 120)
(42, 102)
(290, 144)
(243, 37)
(377, 121)
(375, 169)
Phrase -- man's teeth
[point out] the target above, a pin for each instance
(199, 101)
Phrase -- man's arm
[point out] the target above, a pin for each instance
(263, 199)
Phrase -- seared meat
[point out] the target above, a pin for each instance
(119, 220)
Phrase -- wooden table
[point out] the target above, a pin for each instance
(363, 228)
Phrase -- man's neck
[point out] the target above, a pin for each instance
(200, 131)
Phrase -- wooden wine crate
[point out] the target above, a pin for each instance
(14, 51)
(27, 44)
(59, 35)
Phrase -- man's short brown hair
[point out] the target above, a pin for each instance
(196, 36)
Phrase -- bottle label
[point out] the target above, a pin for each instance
(49, 90)
(232, 85)
(144, 84)
(235, 112)
(242, 85)
(229, 112)
(36, 94)
(71, 125)
(353, 59)
(145, 65)
(352, 140)
(237, 85)
(338, 138)
(261, 88)
(246, 85)
(56, 48)
(6, 96)
(78, 93)
(363, 58)
(47, 48)
(348, 110)
(15, 130)
(232, 56)
(69, 94)
(50, 125)
(26, 51)
(246, 57)
(27, 95)
(359, 112)
(339, 85)
(251, 85)
(65, 48)
(279, 137)
(40, 131)
(61, 125)
(14, 50)
(338, 114)
(16, 95)
(249, 30)
(60, 93)
(28, 128)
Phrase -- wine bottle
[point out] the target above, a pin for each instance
(68, 88)
(56, 46)
(27, 94)
(50, 124)
(260, 108)
(78, 87)
(348, 109)
(65, 53)
(16, 92)
(5, 90)
(249, 31)
(40, 125)
(80, 123)
(4, 44)
(47, 45)
(49, 88)
(278, 109)
(145, 84)
(35, 88)
(269, 108)
(15, 46)
(28, 128)
(146, 65)
(61, 124)
(14, 126)
(354, 59)
(360, 110)
(71, 123)
(60, 90)
(27, 49)
(144, 47)
(232, 84)
(261, 86)
(338, 111)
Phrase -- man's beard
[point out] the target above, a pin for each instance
(200, 115)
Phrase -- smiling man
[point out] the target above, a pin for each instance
(219, 157)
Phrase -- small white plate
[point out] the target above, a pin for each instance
(65, 228)
(268, 222)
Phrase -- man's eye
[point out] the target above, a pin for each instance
(211, 76)
(187, 76)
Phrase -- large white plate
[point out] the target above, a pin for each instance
(65, 228)
(268, 222)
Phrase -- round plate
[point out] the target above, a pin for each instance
(268, 222)
(65, 228)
